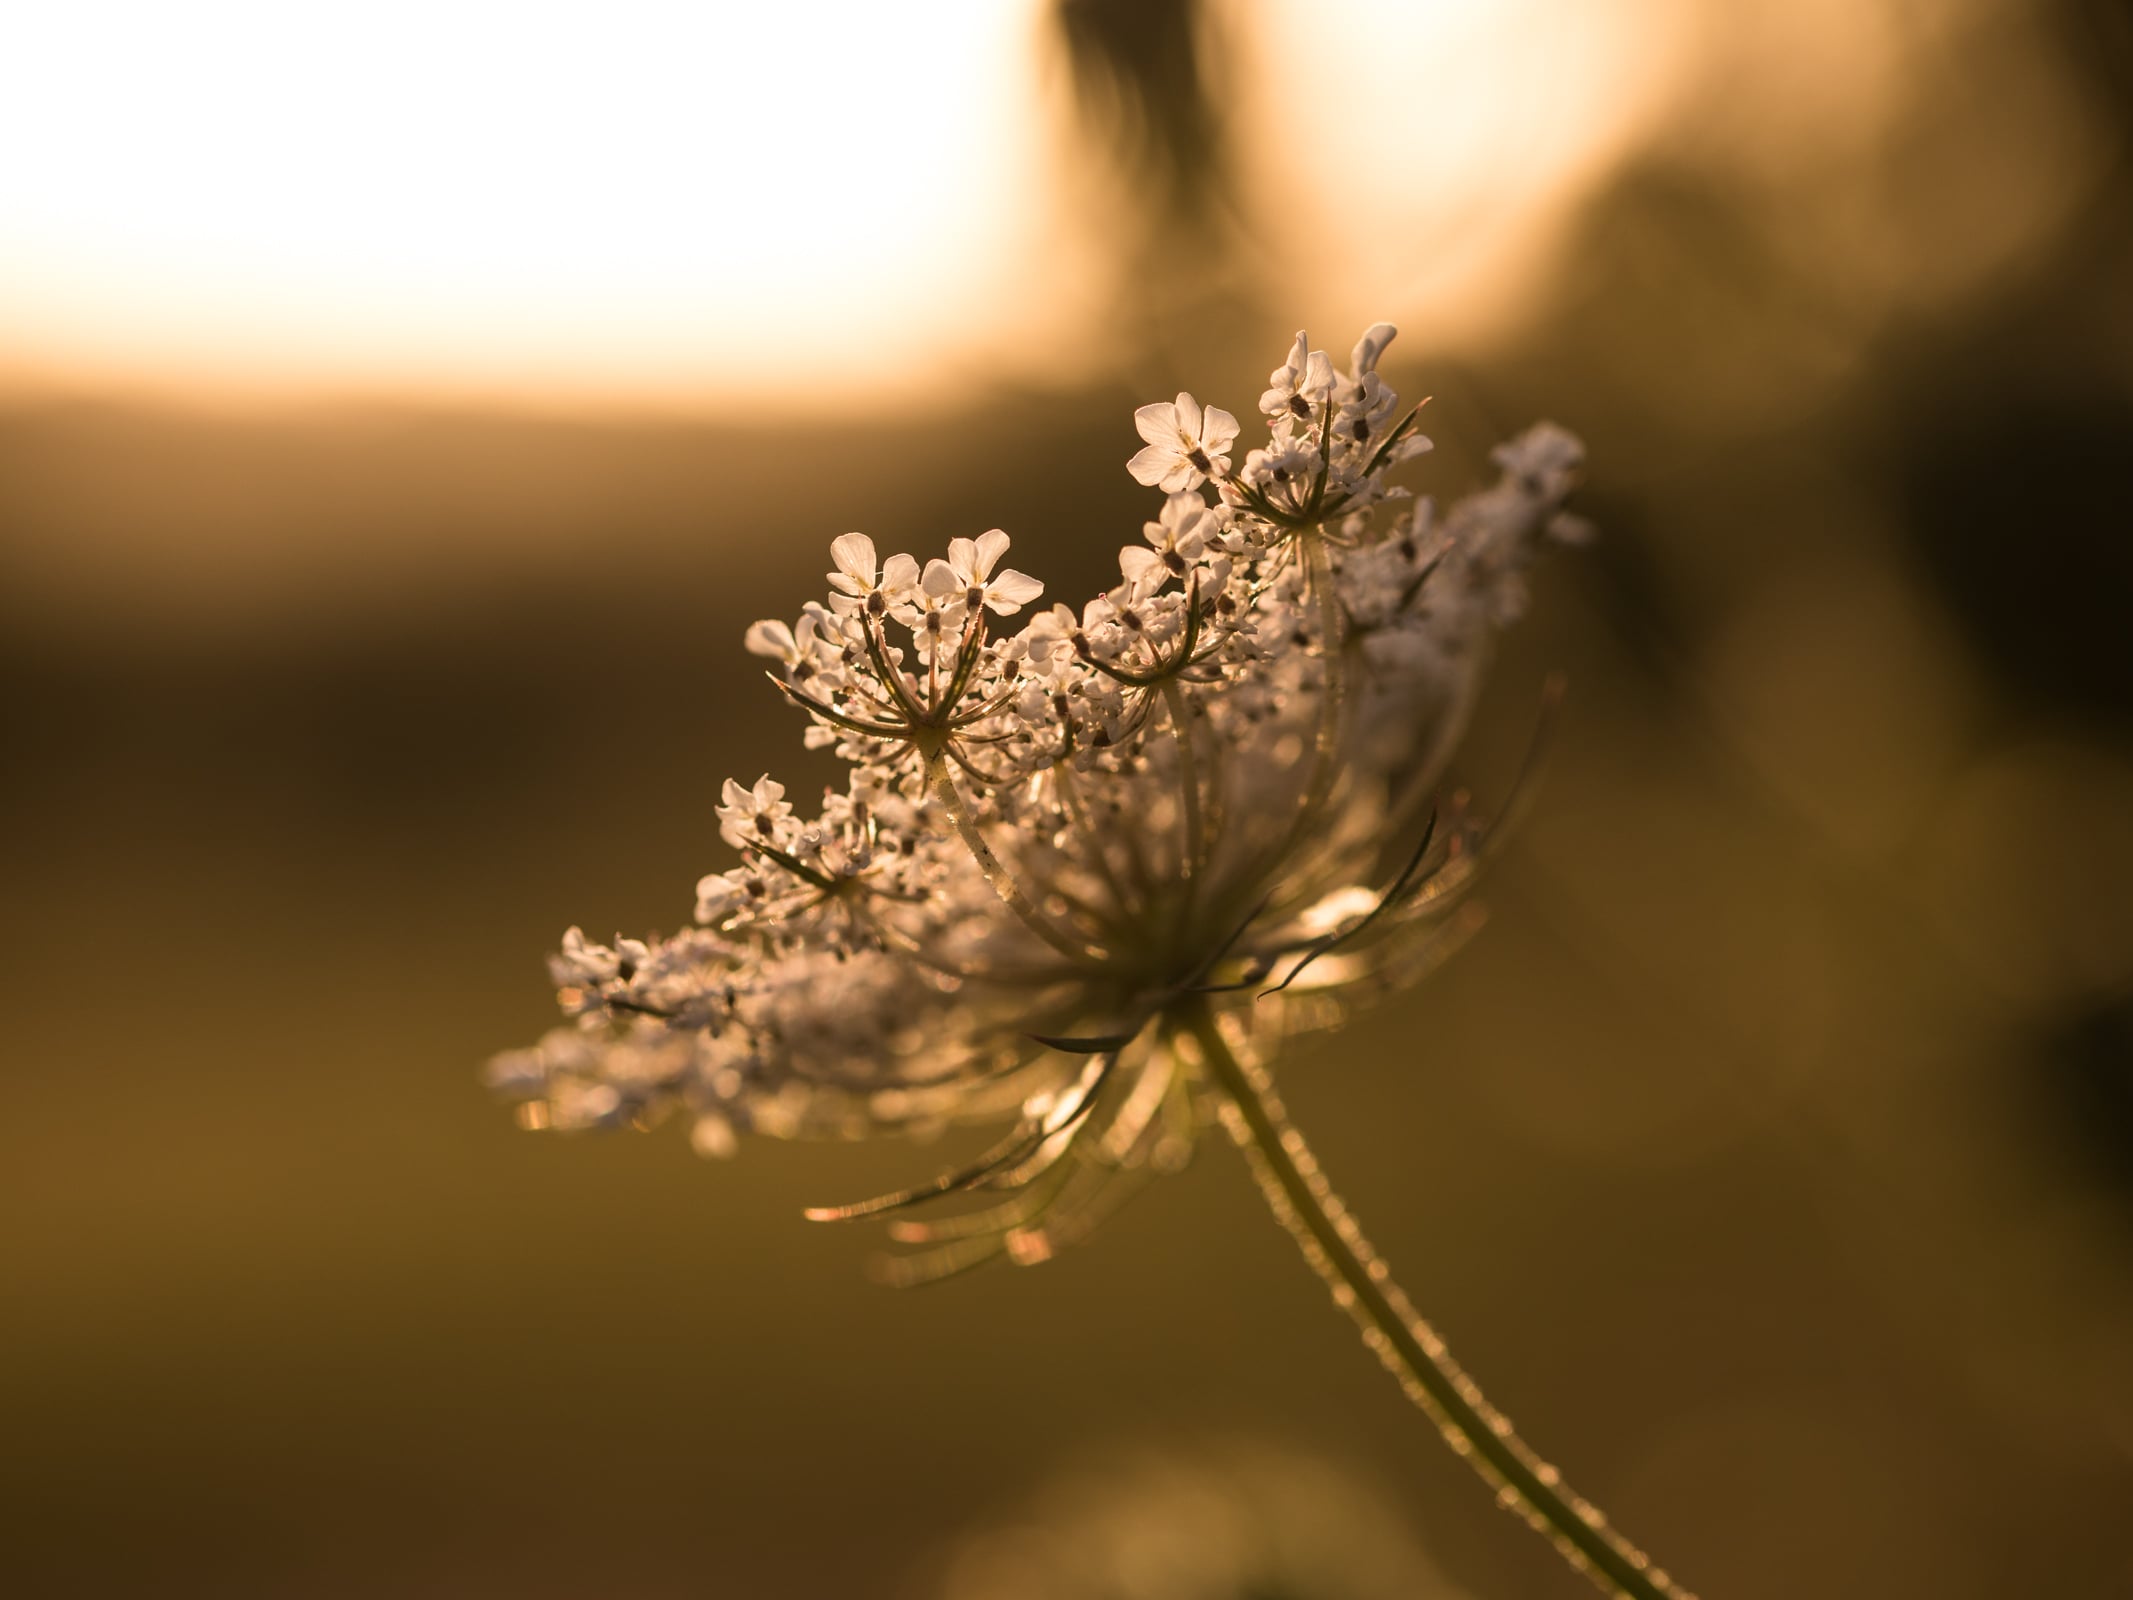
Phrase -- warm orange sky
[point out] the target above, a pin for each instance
(727, 205)
(643, 198)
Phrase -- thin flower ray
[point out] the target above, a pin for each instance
(1003, 1157)
(1101, 1044)
(857, 725)
(1388, 899)
(999, 1217)
(999, 1158)
(1474, 852)
(939, 1264)
(1055, 1209)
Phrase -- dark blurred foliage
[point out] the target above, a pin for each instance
(2009, 436)
(1146, 88)
(1769, 1158)
(2091, 1057)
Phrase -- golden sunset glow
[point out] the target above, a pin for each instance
(687, 203)
(1449, 143)
(705, 206)
(647, 200)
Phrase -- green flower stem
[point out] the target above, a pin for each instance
(1361, 1282)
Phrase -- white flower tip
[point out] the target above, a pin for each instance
(1151, 465)
(1157, 422)
(854, 555)
(1372, 346)
(771, 639)
(1010, 591)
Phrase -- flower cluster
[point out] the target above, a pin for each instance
(1216, 784)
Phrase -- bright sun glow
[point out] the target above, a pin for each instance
(1449, 144)
(724, 204)
(647, 199)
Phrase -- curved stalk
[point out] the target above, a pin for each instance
(1332, 639)
(1092, 843)
(1361, 1283)
(941, 782)
(1332, 705)
(1195, 843)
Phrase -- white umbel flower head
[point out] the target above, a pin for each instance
(1083, 876)
(1216, 781)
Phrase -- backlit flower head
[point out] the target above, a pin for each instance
(1216, 784)
(1081, 876)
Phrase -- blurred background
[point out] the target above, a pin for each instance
(403, 411)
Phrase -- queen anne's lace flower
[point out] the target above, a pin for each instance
(1217, 778)
(1082, 875)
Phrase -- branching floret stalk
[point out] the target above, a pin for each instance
(1069, 850)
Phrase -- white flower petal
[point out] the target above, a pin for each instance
(1134, 562)
(716, 896)
(1370, 347)
(772, 639)
(1284, 377)
(1010, 591)
(854, 555)
(1154, 463)
(1218, 431)
(992, 545)
(1158, 423)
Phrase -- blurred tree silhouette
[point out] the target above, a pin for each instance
(1142, 80)
(2013, 431)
